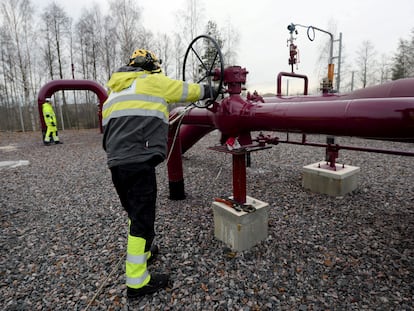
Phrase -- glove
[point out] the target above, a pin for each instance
(209, 92)
(53, 124)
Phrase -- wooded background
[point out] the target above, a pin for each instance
(42, 44)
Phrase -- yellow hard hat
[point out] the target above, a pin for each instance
(145, 59)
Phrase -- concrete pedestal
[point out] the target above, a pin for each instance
(241, 230)
(321, 178)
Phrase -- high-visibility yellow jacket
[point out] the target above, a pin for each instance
(49, 115)
(135, 114)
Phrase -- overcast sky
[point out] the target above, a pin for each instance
(262, 26)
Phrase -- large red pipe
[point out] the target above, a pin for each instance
(382, 118)
(382, 112)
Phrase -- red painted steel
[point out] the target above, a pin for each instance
(239, 177)
(57, 85)
(175, 172)
(382, 118)
(292, 75)
(191, 134)
(381, 112)
(364, 113)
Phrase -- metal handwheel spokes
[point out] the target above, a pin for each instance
(202, 58)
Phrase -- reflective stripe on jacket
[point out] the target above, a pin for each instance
(135, 114)
(144, 94)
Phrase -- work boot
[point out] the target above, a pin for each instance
(58, 142)
(154, 254)
(157, 282)
(46, 143)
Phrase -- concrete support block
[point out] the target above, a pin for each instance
(321, 178)
(241, 230)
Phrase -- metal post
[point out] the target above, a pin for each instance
(352, 80)
(338, 75)
(61, 114)
(239, 177)
(330, 65)
(287, 87)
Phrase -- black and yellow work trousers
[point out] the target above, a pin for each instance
(136, 186)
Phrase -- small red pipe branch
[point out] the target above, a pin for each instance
(332, 149)
(338, 147)
(292, 75)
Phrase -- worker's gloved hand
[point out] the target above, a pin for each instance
(53, 124)
(209, 92)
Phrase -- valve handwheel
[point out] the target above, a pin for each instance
(202, 58)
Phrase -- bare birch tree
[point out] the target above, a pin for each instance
(190, 21)
(90, 58)
(366, 63)
(179, 50)
(8, 115)
(129, 31)
(57, 28)
(231, 39)
(384, 69)
(403, 60)
(161, 46)
(17, 26)
(109, 48)
(88, 30)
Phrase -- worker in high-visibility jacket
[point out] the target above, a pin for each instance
(135, 123)
(51, 124)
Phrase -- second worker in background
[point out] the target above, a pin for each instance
(51, 123)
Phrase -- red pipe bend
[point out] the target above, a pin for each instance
(56, 85)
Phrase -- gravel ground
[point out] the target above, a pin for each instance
(63, 232)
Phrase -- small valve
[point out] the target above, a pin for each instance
(293, 49)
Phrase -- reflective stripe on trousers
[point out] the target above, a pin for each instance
(51, 131)
(137, 274)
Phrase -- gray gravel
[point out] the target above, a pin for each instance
(63, 232)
